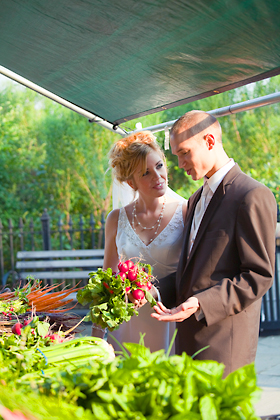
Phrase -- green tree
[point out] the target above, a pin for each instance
(50, 158)
(20, 152)
(74, 169)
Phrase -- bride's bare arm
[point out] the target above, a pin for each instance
(111, 258)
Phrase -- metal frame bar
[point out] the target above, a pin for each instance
(222, 112)
(219, 112)
(90, 116)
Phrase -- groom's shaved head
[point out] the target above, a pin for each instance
(195, 122)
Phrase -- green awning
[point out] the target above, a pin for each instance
(121, 59)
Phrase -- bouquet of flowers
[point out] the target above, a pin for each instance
(107, 293)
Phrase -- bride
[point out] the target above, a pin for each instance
(149, 228)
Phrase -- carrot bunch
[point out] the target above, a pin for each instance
(42, 298)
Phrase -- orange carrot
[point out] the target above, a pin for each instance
(56, 301)
(43, 298)
(52, 306)
(51, 298)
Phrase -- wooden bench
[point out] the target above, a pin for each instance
(53, 267)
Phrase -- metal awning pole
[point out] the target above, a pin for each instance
(91, 117)
(227, 110)
(219, 112)
(247, 105)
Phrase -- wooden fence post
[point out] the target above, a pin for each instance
(46, 232)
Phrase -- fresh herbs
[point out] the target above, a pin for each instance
(153, 386)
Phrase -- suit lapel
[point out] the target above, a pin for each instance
(210, 211)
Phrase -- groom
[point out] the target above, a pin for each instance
(227, 260)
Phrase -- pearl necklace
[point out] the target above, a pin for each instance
(156, 225)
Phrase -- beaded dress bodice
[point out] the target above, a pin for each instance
(162, 253)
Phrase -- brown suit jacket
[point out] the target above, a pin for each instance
(229, 269)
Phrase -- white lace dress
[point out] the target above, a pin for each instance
(163, 255)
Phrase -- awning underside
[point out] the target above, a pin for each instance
(123, 59)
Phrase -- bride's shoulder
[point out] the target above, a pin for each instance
(174, 203)
(112, 217)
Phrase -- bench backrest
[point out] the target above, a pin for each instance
(59, 265)
(80, 253)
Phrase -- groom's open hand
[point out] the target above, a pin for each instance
(178, 314)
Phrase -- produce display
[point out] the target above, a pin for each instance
(34, 295)
(140, 385)
(107, 293)
(21, 304)
(46, 372)
(24, 363)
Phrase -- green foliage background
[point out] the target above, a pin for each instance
(51, 157)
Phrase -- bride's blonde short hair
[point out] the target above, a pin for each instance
(128, 152)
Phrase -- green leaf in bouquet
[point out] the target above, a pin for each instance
(103, 307)
(84, 296)
(116, 283)
(111, 324)
(150, 298)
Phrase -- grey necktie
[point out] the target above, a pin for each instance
(198, 215)
(201, 206)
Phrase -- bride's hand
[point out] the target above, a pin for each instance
(138, 303)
